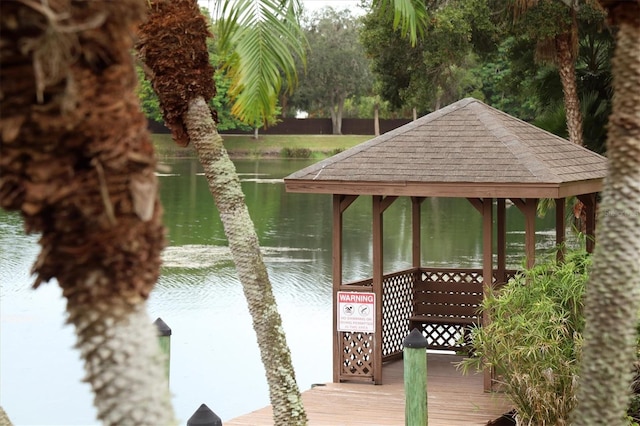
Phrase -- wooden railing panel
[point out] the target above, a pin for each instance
(356, 349)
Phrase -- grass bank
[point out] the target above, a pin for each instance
(269, 146)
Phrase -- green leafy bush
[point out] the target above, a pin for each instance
(534, 338)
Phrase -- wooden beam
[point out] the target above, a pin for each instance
(386, 202)
(336, 273)
(560, 227)
(346, 201)
(519, 203)
(477, 203)
(378, 233)
(416, 232)
(445, 189)
(487, 269)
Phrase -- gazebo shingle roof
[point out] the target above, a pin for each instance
(465, 149)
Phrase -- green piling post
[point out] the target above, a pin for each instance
(415, 379)
(164, 340)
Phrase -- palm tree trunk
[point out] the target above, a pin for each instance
(243, 242)
(173, 47)
(4, 419)
(77, 161)
(567, 71)
(613, 290)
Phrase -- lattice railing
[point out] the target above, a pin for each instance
(357, 354)
(397, 307)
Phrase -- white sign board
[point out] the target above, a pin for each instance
(356, 311)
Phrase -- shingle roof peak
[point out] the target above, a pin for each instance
(467, 142)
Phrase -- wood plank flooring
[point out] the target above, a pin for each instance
(453, 400)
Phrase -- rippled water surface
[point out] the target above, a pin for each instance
(214, 355)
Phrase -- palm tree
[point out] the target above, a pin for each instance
(613, 295)
(77, 162)
(182, 67)
(554, 25)
(260, 38)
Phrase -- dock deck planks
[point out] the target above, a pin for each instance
(453, 400)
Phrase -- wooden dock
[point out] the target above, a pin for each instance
(453, 400)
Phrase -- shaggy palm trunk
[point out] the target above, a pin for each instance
(613, 290)
(567, 71)
(173, 47)
(77, 162)
(243, 242)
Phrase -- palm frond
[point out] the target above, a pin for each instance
(409, 15)
(260, 39)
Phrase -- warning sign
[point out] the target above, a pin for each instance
(356, 311)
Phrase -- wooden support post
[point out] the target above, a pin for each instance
(415, 379)
(530, 231)
(487, 270)
(589, 201)
(560, 228)
(501, 241)
(377, 285)
(416, 247)
(340, 204)
(204, 417)
(164, 340)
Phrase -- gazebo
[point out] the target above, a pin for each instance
(469, 150)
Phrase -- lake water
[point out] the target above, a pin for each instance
(214, 355)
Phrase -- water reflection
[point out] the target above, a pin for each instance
(215, 359)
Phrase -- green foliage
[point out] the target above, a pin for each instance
(222, 103)
(295, 152)
(507, 78)
(534, 338)
(409, 16)
(148, 99)
(258, 42)
(436, 70)
(336, 67)
(501, 55)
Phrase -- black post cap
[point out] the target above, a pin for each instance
(163, 328)
(204, 417)
(415, 339)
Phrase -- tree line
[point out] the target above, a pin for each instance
(531, 62)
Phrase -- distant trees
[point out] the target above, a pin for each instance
(336, 67)
(549, 57)
(438, 69)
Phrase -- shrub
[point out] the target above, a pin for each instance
(295, 152)
(534, 338)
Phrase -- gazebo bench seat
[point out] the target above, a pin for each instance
(446, 332)
(416, 321)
